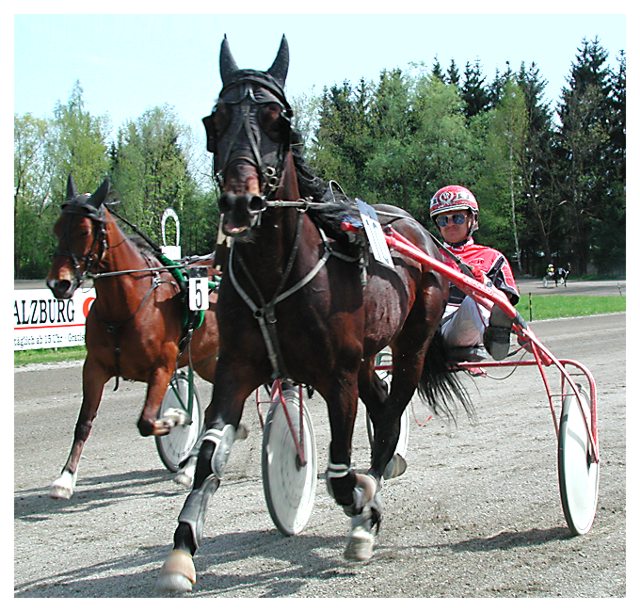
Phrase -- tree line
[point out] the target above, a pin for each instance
(550, 179)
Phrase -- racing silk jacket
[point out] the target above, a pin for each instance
(492, 262)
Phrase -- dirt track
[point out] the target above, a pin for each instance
(477, 514)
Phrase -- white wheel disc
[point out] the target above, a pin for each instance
(578, 475)
(176, 445)
(289, 487)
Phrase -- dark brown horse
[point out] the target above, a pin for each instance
(297, 305)
(136, 323)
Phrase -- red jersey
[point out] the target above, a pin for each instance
(492, 262)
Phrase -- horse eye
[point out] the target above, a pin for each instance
(271, 121)
(221, 118)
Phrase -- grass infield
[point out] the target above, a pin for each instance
(542, 307)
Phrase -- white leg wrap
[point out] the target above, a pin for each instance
(222, 441)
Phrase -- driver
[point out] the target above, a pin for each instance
(469, 330)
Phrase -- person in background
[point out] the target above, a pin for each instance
(470, 330)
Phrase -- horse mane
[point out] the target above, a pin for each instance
(142, 245)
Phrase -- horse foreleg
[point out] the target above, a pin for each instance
(148, 423)
(178, 573)
(93, 381)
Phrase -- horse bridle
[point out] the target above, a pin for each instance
(90, 261)
(270, 163)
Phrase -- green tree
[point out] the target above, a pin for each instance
(441, 147)
(584, 142)
(473, 91)
(45, 153)
(504, 161)
(150, 169)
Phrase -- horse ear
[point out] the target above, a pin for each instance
(280, 65)
(100, 194)
(227, 63)
(72, 192)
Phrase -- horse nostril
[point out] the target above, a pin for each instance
(59, 288)
(226, 201)
(256, 204)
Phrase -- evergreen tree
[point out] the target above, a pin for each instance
(474, 93)
(453, 74)
(436, 70)
(584, 142)
(541, 214)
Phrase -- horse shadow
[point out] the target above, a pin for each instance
(507, 540)
(135, 575)
(94, 492)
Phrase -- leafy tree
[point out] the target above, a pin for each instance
(150, 169)
(45, 153)
(504, 159)
(342, 145)
(440, 149)
(33, 170)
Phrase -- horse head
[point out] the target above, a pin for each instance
(81, 234)
(249, 133)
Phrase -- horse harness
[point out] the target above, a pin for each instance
(264, 312)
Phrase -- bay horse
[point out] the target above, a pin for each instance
(295, 304)
(136, 324)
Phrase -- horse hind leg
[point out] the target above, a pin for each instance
(374, 392)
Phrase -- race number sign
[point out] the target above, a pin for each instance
(198, 288)
(373, 230)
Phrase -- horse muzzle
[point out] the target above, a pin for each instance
(62, 289)
(240, 213)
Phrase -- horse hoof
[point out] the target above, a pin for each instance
(178, 574)
(183, 479)
(360, 546)
(173, 418)
(62, 487)
(396, 467)
(173, 583)
(60, 492)
(242, 433)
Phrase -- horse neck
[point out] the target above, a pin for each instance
(122, 293)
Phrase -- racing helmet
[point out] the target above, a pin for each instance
(452, 198)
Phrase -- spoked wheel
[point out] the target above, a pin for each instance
(289, 485)
(578, 474)
(176, 445)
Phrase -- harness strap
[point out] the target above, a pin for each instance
(114, 327)
(265, 314)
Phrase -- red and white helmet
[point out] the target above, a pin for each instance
(452, 198)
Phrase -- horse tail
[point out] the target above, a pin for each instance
(440, 386)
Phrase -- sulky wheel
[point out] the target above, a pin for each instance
(176, 445)
(289, 486)
(578, 474)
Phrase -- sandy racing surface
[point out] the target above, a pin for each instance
(477, 514)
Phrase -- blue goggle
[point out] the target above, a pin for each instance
(457, 218)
